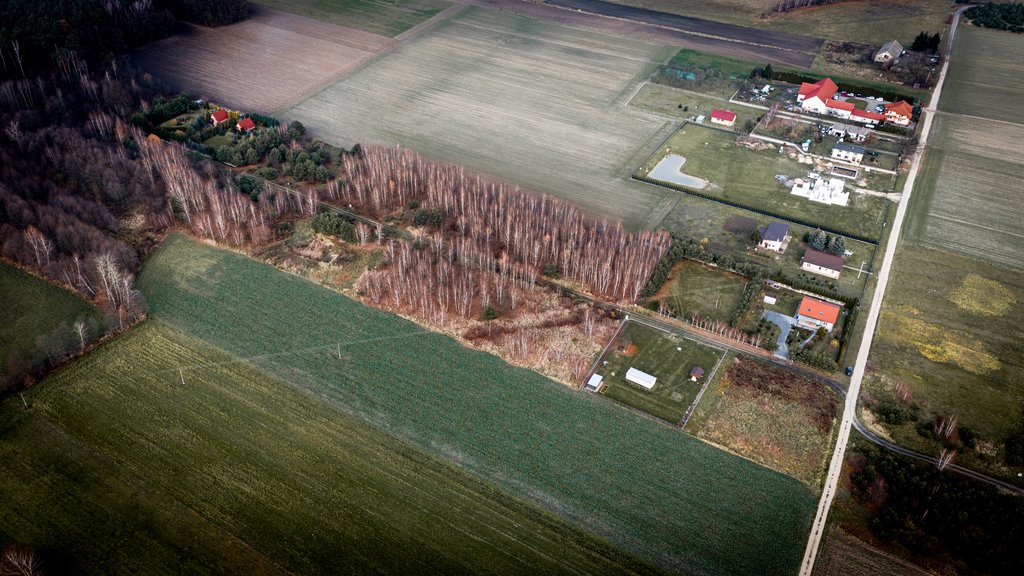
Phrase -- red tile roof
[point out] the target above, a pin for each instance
(723, 115)
(868, 115)
(837, 105)
(824, 89)
(246, 124)
(901, 108)
(814, 308)
(220, 115)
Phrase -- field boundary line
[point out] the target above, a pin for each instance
(700, 394)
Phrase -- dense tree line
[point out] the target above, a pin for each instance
(938, 515)
(783, 6)
(494, 225)
(924, 42)
(999, 16)
(210, 12)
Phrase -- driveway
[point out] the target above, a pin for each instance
(785, 324)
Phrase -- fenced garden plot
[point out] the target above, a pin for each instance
(746, 178)
(185, 459)
(669, 358)
(695, 288)
(507, 425)
(527, 102)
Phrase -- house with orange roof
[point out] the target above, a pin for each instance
(813, 314)
(899, 113)
(245, 125)
(219, 116)
(812, 97)
(867, 117)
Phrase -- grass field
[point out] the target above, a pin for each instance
(384, 17)
(574, 454)
(868, 21)
(769, 415)
(665, 356)
(982, 81)
(118, 467)
(843, 554)
(260, 64)
(969, 197)
(667, 100)
(537, 104)
(710, 292)
(748, 177)
(949, 328)
(31, 307)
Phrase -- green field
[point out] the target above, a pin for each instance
(669, 101)
(31, 307)
(710, 292)
(505, 424)
(533, 103)
(118, 467)
(666, 356)
(949, 329)
(747, 177)
(385, 17)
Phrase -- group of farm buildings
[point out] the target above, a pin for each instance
(820, 97)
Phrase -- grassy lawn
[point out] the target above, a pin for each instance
(385, 17)
(670, 101)
(217, 141)
(507, 425)
(769, 415)
(119, 468)
(31, 307)
(696, 288)
(667, 357)
(747, 177)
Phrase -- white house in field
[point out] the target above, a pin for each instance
(723, 117)
(817, 262)
(889, 51)
(775, 237)
(815, 97)
(642, 379)
(817, 189)
(813, 314)
(848, 153)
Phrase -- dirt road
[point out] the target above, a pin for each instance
(850, 406)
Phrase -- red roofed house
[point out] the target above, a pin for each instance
(219, 116)
(723, 117)
(812, 97)
(899, 113)
(245, 125)
(840, 109)
(813, 314)
(867, 117)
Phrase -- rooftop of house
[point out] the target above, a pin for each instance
(869, 115)
(220, 115)
(819, 310)
(849, 148)
(903, 108)
(723, 115)
(774, 232)
(818, 258)
(246, 124)
(824, 89)
(891, 47)
(837, 105)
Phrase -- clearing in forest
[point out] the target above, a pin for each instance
(261, 64)
(536, 104)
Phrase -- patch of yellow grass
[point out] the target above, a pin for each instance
(982, 296)
(938, 344)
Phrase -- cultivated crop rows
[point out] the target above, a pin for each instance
(524, 101)
(577, 456)
(987, 79)
(261, 64)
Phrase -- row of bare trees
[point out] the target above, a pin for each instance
(498, 221)
(725, 330)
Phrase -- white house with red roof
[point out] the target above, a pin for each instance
(245, 125)
(813, 314)
(723, 117)
(812, 97)
(899, 113)
(867, 117)
(219, 117)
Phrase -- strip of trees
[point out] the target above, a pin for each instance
(497, 226)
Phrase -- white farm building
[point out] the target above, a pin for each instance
(640, 378)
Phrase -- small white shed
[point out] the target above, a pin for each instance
(640, 378)
(595, 382)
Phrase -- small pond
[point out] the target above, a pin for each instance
(670, 169)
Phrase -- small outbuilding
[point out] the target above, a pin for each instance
(697, 373)
(889, 51)
(848, 152)
(640, 378)
(723, 117)
(219, 117)
(594, 384)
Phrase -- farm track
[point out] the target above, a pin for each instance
(616, 26)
